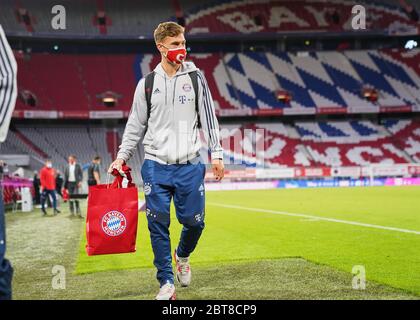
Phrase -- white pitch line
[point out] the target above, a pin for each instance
(375, 226)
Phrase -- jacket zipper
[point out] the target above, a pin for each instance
(173, 103)
(173, 98)
(166, 92)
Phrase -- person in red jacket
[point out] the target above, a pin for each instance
(47, 177)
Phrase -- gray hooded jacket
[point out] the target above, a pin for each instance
(171, 134)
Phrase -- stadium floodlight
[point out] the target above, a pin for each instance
(109, 98)
(283, 96)
(410, 44)
(370, 94)
(109, 101)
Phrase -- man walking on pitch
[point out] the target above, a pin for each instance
(73, 176)
(169, 105)
(47, 176)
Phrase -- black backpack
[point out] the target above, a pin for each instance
(148, 87)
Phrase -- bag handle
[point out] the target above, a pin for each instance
(115, 184)
(119, 177)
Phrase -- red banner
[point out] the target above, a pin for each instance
(78, 114)
(331, 110)
(396, 109)
(120, 114)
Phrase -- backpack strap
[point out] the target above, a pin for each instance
(194, 80)
(148, 87)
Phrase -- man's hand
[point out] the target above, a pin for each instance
(218, 169)
(117, 164)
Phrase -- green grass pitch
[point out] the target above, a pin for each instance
(266, 244)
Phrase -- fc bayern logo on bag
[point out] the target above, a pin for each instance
(114, 223)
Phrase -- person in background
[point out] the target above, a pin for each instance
(59, 183)
(6, 270)
(37, 184)
(94, 175)
(410, 11)
(73, 176)
(47, 177)
(8, 88)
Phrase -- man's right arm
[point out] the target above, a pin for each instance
(134, 129)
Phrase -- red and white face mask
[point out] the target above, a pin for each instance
(176, 55)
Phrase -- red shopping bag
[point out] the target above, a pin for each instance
(66, 196)
(111, 221)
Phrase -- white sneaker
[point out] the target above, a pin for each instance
(166, 292)
(183, 270)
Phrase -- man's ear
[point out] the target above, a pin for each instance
(159, 46)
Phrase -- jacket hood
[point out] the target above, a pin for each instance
(186, 67)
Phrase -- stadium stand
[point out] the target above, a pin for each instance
(117, 18)
(332, 143)
(241, 83)
(59, 141)
(86, 78)
(299, 144)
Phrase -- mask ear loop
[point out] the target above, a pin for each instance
(165, 55)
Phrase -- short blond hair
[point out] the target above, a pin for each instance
(167, 29)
